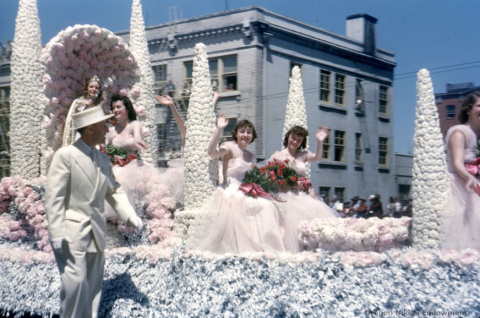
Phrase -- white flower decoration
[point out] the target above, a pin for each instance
(430, 169)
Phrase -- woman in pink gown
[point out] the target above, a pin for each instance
(300, 206)
(233, 222)
(461, 211)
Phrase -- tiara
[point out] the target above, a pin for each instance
(95, 79)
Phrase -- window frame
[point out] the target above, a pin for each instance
(358, 148)
(326, 89)
(159, 83)
(383, 100)
(343, 145)
(449, 114)
(383, 153)
(342, 89)
(220, 76)
(329, 193)
(226, 134)
(326, 149)
(340, 198)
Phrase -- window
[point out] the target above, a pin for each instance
(359, 89)
(324, 193)
(383, 100)
(160, 77)
(339, 153)
(227, 136)
(223, 72)
(160, 72)
(358, 147)
(340, 90)
(383, 151)
(340, 193)
(326, 149)
(359, 95)
(325, 86)
(450, 111)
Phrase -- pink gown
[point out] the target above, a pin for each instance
(139, 178)
(235, 223)
(461, 211)
(299, 207)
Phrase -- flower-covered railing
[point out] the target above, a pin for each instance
(73, 55)
(352, 234)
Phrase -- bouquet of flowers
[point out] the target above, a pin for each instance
(118, 155)
(474, 169)
(271, 178)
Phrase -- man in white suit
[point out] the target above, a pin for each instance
(79, 180)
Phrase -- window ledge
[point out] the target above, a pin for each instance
(230, 94)
(335, 107)
(332, 163)
(384, 117)
(383, 168)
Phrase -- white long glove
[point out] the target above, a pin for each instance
(58, 242)
(135, 221)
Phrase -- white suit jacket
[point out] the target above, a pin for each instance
(75, 194)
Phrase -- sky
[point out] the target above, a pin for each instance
(439, 35)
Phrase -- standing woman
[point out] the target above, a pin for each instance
(300, 206)
(461, 211)
(233, 222)
(91, 97)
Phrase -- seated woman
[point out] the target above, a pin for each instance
(127, 134)
(300, 206)
(461, 210)
(91, 97)
(233, 222)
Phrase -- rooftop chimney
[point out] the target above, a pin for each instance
(362, 27)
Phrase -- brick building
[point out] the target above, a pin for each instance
(449, 103)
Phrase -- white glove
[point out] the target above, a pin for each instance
(135, 221)
(58, 242)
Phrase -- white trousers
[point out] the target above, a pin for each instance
(81, 282)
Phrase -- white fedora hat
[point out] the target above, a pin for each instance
(89, 117)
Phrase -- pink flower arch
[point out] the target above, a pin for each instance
(73, 55)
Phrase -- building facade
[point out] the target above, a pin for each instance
(449, 104)
(348, 86)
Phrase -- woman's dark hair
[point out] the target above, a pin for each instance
(299, 131)
(241, 124)
(467, 105)
(132, 115)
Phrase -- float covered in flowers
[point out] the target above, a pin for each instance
(352, 267)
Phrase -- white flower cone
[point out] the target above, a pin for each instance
(430, 179)
(146, 98)
(201, 171)
(296, 114)
(26, 93)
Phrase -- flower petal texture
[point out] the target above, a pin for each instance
(428, 197)
(26, 92)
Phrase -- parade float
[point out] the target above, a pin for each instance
(350, 267)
